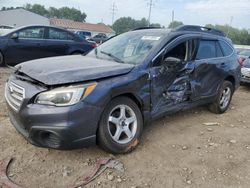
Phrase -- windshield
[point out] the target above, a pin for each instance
(5, 31)
(131, 47)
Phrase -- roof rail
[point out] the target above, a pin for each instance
(140, 28)
(200, 29)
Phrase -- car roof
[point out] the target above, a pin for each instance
(23, 27)
(185, 29)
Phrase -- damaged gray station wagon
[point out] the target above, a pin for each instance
(107, 96)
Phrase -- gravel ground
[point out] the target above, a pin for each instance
(180, 150)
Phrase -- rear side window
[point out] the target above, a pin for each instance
(32, 33)
(218, 50)
(59, 35)
(207, 49)
(227, 50)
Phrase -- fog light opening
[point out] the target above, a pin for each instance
(50, 139)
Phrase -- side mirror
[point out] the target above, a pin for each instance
(171, 61)
(14, 36)
(170, 64)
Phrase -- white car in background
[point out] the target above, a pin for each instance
(243, 51)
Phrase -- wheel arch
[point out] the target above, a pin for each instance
(231, 79)
(77, 51)
(132, 97)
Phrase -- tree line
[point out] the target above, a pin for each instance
(124, 24)
(238, 36)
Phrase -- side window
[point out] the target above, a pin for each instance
(207, 49)
(184, 51)
(227, 50)
(32, 33)
(180, 52)
(218, 50)
(59, 35)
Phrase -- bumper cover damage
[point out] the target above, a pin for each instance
(54, 127)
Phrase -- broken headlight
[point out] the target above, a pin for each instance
(65, 96)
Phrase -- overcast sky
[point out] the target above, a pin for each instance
(188, 11)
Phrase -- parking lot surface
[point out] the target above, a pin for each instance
(194, 148)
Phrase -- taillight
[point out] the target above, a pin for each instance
(94, 45)
(241, 60)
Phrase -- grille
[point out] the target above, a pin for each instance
(245, 72)
(14, 95)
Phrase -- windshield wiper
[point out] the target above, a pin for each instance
(117, 59)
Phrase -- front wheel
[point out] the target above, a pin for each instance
(223, 98)
(120, 126)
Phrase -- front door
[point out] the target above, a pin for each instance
(29, 45)
(171, 76)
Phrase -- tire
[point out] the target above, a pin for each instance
(120, 126)
(223, 98)
(1, 60)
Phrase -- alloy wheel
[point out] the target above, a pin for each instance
(122, 124)
(225, 97)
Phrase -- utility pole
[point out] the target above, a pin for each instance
(172, 15)
(150, 10)
(230, 25)
(113, 10)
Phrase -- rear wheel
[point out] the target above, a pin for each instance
(120, 126)
(223, 98)
(1, 60)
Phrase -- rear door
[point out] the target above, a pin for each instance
(29, 45)
(207, 74)
(58, 42)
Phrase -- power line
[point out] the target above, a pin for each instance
(113, 11)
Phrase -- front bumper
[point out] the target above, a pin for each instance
(245, 79)
(56, 127)
(245, 75)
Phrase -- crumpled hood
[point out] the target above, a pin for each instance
(70, 69)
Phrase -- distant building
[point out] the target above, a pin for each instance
(21, 17)
(82, 26)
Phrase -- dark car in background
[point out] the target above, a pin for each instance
(84, 34)
(33, 42)
(99, 38)
(107, 96)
